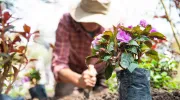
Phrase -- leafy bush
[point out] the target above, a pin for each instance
(112, 83)
(162, 71)
(13, 49)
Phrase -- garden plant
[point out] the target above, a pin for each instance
(123, 47)
(13, 49)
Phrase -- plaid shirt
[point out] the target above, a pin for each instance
(72, 46)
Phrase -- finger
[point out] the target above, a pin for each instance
(90, 82)
(91, 74)
(90, 85)
(86, 76)
(93, 79)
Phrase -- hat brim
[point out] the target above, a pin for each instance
(105, 20)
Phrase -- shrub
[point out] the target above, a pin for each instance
(162, 71)
(12, 50)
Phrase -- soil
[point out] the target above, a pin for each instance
(99, 96)
(165, 95)
(156, 95)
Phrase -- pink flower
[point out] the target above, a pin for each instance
(130, 26)
(95, 42)
(153, 30)
(25, 79)
(122, 36)
(143, 23)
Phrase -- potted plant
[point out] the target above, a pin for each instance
(123, 47)
(13, 47)
(37, 90)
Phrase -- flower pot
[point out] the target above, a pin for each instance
(38, 91)
(6, 97)
(135, 85)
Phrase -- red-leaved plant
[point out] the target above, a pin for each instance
(12, 50)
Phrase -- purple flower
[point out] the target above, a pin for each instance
(96, 40)
(130, 26)
(122, 36)
(153, 30)
(25, 79)
(99, 36)
(143, 23)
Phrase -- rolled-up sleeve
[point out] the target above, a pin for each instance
(61, 51)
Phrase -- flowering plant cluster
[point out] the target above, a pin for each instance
(124, 46)
(32, 76)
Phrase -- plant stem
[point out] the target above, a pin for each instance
(171, 24)
(10, 85)
(6, 66)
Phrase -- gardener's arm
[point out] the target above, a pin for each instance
(60, 60)
(86, 79)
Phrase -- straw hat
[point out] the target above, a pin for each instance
(98, 11)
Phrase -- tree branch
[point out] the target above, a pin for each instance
(171, 24)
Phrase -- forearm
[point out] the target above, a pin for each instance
(69, 76)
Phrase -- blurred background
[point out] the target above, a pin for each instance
(44, 15)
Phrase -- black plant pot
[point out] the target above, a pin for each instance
(135, 85)
(38, 91)
(6, 97)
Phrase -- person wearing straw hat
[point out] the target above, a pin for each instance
(74, 35)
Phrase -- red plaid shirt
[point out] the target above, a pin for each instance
(72, 46)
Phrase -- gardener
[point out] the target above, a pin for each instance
(74, 35)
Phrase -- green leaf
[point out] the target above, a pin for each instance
(132, 42)
(119, 44)
(106, 37)
(144, 47)
(152, 54)
(102, 40)
(143, 38)
(126, 29)
(156, 77)
(106, 58)
(132, 67)
(93, 51)
(115, 30)
(148, 43)
(137, 29)
(164, 73)
(126, 59)
(108, 33)
(124, 63)
(108, 71)
(133, 49)
(110, 47)
(157, 35)
(97, 47)
(147, 30)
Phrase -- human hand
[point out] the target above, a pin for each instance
(88, 77)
